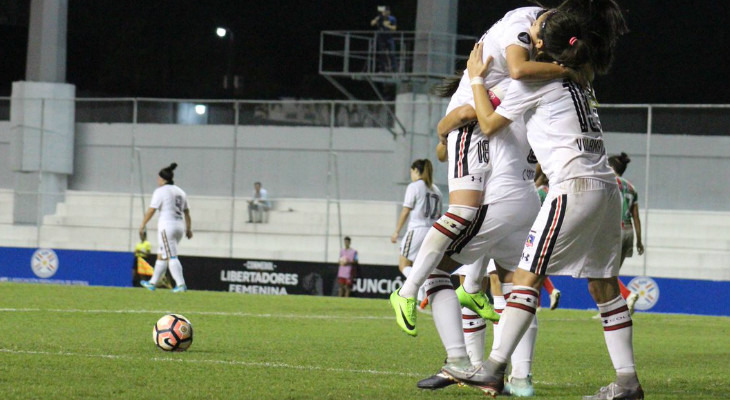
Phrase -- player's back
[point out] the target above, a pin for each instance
(513, 165)
(425, 204)
(170, 201)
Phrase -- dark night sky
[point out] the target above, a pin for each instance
(164, 48)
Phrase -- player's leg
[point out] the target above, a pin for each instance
(172, 239)
(163, 255)
(553, 292)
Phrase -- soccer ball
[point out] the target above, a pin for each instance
(173, 332)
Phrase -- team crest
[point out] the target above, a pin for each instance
(530, 240)
(648, 291)
(524, 37)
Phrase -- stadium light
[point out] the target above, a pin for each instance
(223, 32)
(200, 109)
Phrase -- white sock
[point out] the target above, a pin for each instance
(618, 332)
(524, 352)
(160, 269)
(475, 332)
(446, 314)
(438, 238)
(499, 304)
(176, 271)
(474, 276)
(521, 307)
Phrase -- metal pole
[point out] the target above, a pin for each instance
(337, 191)
(233, 178)
(39, 194)
(329, 179)
(134, 150)
(645, 225)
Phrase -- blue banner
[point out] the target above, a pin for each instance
(657, 295)
(66, 267)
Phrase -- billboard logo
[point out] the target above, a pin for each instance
(648, 291)
(44, 263)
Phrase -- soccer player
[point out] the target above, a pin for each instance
(421, 208)
(347, 270)
(630, 221)
(577, 231)
(173, 222)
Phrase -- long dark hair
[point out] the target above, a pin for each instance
(562, 35)
(619, 162)
(603, 23)
(167, 174)
(425, 168)
(447, 87)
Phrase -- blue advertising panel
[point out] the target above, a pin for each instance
(66, 267)
(659, 295)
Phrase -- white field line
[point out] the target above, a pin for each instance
(223, 362)
(213, 313)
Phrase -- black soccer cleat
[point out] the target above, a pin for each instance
(437, 381)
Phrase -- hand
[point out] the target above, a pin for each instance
(475, 66)
(189, 233)
(640, 248)
(394, 237)
(142, 231)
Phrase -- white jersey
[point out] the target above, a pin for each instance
(170, 201)
(510, 30)
(424, 202)
(512, 165)
(562, 127)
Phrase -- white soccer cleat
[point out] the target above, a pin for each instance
(554, 299)
(631, 301)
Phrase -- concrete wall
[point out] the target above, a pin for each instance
(686, 172)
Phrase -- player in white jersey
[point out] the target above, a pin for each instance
(577, 231)
(173, 221)
(421, 208)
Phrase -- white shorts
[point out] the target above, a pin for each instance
(411, 242)
(498, 232)
(468, 151)
(464, 268)
(169, 235)
(627, 242)
(578, 231)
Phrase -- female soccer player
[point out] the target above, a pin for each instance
(421, 208)
(174, 220)
(577, 231)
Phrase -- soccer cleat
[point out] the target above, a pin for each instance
(615, 392)
(554, 299)
(520, 387)
(180, 288)
(631, 301)
(476, 375)
(477, 302)
(437, 381)
(423, 304)
(405, 312)
(147, 285)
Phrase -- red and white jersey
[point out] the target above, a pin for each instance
(424, 202)
(563, 128)
(170, 201)
(512, 29)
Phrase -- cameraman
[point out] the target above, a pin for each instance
(385, 50)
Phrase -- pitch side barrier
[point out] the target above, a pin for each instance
(278, 277)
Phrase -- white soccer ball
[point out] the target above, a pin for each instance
(173, 332)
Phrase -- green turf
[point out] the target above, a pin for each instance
(60, 342)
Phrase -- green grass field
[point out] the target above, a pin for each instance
(60, 342)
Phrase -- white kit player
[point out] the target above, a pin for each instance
(577, 231)
(499, 220)
(173, 221)
(421, 208)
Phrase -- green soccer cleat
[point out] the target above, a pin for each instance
(147, 284)
(405, 312)
(477, 302)
(520, 387)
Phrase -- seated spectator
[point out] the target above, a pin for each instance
(259, 205)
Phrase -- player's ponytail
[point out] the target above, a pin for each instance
(425, 169)
(447, 87)
(619, 163)
(167, 173)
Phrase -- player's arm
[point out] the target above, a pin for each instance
(637, 228)
(489, 121)
(188, 224)
(455, 119)
(147, 217)
(404, 213)
(522, 68)
(442, 152)
(389, 25)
